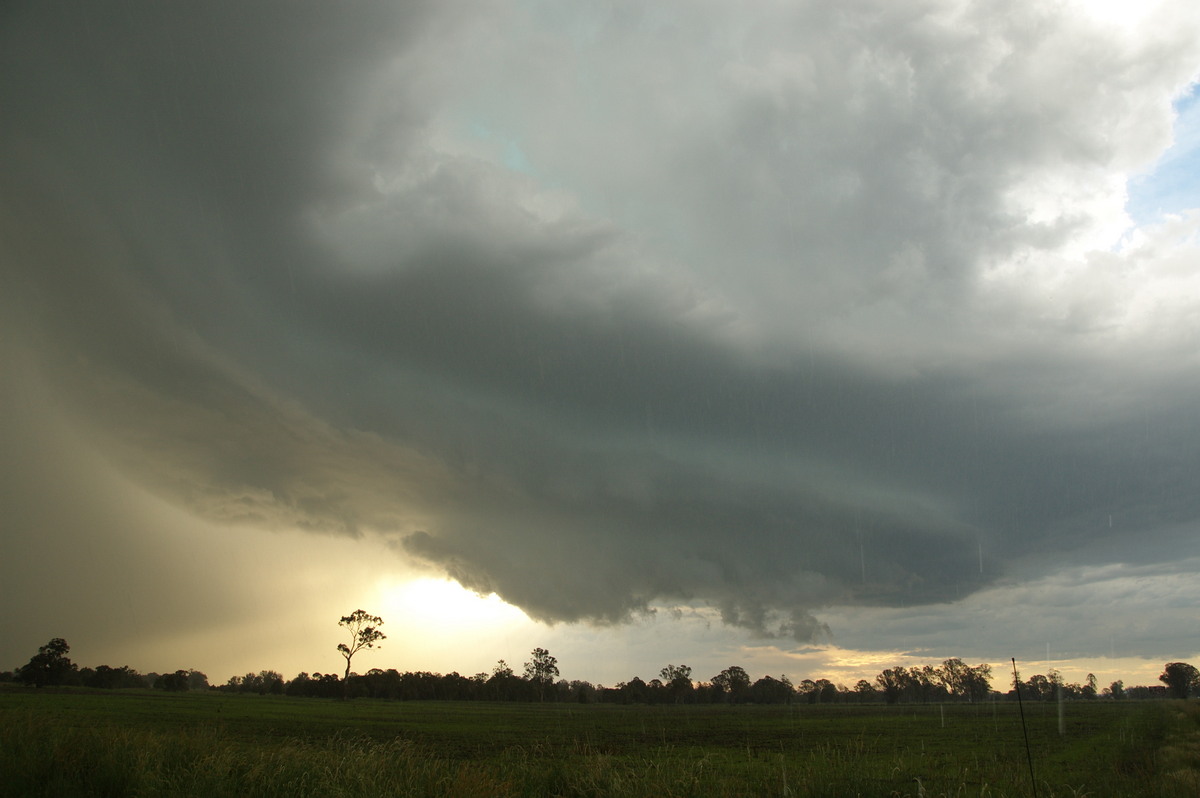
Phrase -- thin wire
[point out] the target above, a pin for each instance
(1021, 705)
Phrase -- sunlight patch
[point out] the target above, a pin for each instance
(444, 606)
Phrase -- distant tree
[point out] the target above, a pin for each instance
(503, 684)
(581, 692)
(734, 682)
(378, 683)
(963, 680)
(979, 682)
(818, 691)
(105, 677)
(676, 673)
(769, 690)
(1088, 690)
(301, 685)
(197, 680)
(270, 682)
(1055, 679)
(49, 666)
(865, 691)
(809, 691)
(1180, 678)
(1117, 690)
(678, 680)
(541, 671)
(364, 633)
(176, 682)
(634, 691)
(1040, 687)
(707, 693)
(953, 675)
(924, 683)
(1072, 691)
(326, 685)
(893, 683)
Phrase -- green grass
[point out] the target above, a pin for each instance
(75, 743)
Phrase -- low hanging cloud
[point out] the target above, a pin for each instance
(766, 307)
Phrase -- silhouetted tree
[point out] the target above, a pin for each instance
(893, 683)
(364, 633)
(768, 690)
(503, 684)
(315, 686)
(49, 666)
(962, 680)
(301, 685)
(1040, 687)
(105, 677)
(808, 690)
(733, 682)
(865, 691)
(1144, 692)
(678, 679)
(456, 687)
(176, 682)
(820, 691)
(581, 692)
(541, 671)
(634, 691)
(1180, 678)
(270, 682)
(925, 684)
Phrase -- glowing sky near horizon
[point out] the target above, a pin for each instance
(814, 337)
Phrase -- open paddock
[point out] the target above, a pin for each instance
(136, 743)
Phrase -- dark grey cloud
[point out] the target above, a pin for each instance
(1089, 613)
(767, 310)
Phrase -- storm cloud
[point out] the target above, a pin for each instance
(768, 308)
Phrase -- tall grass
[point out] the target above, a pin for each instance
(1155, 751)
(42, 758)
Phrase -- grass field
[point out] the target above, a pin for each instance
(143, 743)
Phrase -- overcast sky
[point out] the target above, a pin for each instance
(815, 337)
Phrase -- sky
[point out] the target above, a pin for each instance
(813, 337)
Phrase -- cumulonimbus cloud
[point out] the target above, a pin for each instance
(766, 308)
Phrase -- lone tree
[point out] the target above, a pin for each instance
(363, 634)
(541, 670)
(49, 666)
(1180, 678)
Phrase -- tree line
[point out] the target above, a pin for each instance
(952, 680)
(51, 667)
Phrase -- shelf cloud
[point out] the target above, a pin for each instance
(795, 311)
